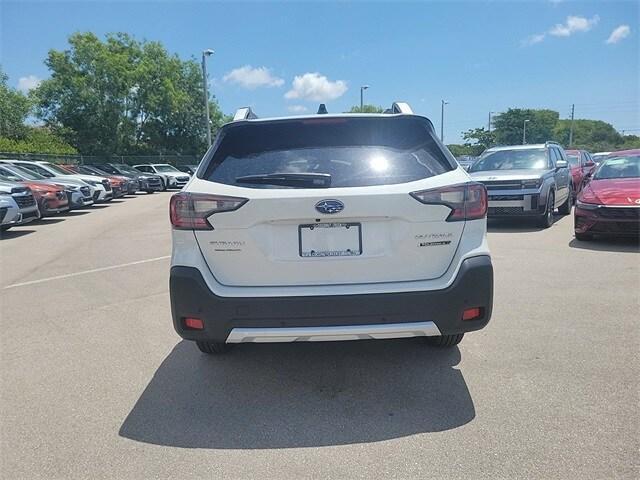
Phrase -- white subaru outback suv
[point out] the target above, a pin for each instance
(329, 227)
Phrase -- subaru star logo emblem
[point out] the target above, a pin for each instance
(329, 206)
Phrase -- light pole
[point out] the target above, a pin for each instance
(205, 54)
(489, 125)
(444, 102)
(362, 89)
(524, 131)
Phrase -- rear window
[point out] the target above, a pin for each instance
(354, 152)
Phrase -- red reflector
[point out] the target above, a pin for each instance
(194, 323)
(471, 313)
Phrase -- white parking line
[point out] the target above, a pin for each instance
(85, 272)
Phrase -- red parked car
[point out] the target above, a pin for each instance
(51, 198)
(609, 203)
(581, 165)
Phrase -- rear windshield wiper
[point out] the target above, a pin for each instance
(302, 180)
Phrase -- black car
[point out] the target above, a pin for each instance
(147, 182)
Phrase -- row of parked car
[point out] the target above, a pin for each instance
(30, 190)
(535, 180)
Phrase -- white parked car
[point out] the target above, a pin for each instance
(101, 186)
(9, 211)
(329, 227)
(171, 176)
(22, 197)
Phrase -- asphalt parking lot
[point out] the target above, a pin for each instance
(96, 384)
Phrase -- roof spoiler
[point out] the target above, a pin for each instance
(399, 107)
(244, 113)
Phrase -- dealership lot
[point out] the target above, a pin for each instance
(96, 384)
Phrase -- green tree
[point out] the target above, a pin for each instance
(122, 96)
(462, 150)
(594, 135)
(366, 109)
(510, 124)
(629, 142)
(14, 109)
(478, 140)
(37, 140)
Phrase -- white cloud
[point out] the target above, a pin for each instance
(315, 87)
(251, 78)
(297, 108)
(533, 39)
(28, 83)
(574, 24)
(621, 32)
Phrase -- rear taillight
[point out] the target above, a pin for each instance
(467, 201)
(189, 211)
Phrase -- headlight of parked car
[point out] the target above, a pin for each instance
(586, 206)
(531, 183)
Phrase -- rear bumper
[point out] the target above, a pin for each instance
(337, 317)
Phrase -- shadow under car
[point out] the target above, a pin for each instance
(300, 395)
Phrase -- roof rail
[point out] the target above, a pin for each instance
(550, 142)
(244, 113)
(399, 107)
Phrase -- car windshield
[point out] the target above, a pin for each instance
(90, 170)
(573, 158)
(127, 169)
(4, 178)
(512, 160)
(26, 173)
(166, 168)
(619, 167)
(7, 172)
(328, 152)
(59, 169)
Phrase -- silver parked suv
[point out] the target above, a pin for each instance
(525, 181)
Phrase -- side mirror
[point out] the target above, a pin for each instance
(561, 164)
(590, 164)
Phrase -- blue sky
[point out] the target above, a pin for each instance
(480, 56)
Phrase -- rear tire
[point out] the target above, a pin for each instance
(583, 237)
(213, 348)
(546, 220)
(149, 191)
(565, 208)
(445, 341)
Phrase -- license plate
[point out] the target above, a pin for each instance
(330, 240)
